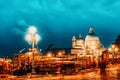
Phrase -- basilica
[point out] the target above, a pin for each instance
(90, 46)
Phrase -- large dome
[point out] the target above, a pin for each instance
(92, 40)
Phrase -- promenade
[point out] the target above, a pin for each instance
(112, 73)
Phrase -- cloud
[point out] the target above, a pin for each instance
(57, 17)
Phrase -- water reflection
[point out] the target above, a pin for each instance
(118, 74)
(112, 73)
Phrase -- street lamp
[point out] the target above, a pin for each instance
(60, 54)
(49, 55)
(32, 37)
(113, 48)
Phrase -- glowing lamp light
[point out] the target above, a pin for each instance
(6, 61)
(110, 49)
(32, 30)
(113, 46)
(116, 49)
(49, 55)
(37, 38)
(28, 37)
(32, 37)
(60, 54)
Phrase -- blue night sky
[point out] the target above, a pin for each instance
(57, 21)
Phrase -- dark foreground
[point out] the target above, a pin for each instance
(112, 73)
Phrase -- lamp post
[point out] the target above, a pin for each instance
(113, 49)
(32, 37)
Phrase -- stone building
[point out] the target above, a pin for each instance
(91, 46)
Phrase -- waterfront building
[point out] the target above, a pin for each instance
(90, 46)
(28, 56)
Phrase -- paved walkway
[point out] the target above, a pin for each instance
(112, 73)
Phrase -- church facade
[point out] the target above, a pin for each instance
(91, 46)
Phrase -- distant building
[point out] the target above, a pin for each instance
(28, 55)
(90, 46)
(55, 51)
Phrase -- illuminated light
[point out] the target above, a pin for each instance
(113, 46)
(28, 37)
(116, 49)
(32, 37)
(6, 61)
(49, 54)
(29, 53)
(78, 54)
(92, 47)
(60, 54)
(32, 30)
(110, 49)
(92, 43)
(37, 38)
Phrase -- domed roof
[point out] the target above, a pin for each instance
(91, 32)
(91, 36)
(80, 39)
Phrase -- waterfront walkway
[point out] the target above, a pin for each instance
(112, 73)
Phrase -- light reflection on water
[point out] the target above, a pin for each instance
(111, 74)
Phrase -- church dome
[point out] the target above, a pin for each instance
(80, 41)
(92, 39)
(92, 33)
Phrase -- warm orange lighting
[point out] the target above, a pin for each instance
(110, 49)
(92, 47)
(92, 43)
(29, 53)
(59, 54)
(113, 46)
(116, 49)
(49, 54)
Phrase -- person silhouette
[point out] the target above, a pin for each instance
(102, 66)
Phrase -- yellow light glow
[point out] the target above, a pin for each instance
(32, 29)
(28, 37)
(113, 46)
(92, 43)
(37, 38)
(92, 47)
(60, 54)
(6, 61)
(110, 49)
(116, 49)
(49, 54)
(29, 54)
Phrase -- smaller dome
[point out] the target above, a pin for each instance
(80, 40)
